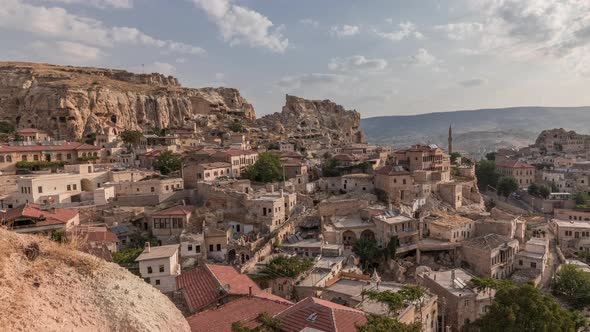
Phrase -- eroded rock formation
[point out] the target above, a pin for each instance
(315, 119)
(70, 102)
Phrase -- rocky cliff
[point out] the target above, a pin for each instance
(46, 286)
(315, 119)
(70, 102)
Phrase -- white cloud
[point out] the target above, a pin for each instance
(240, 25)
(406, 30)
(556, 29)
(307, 80)
(357, 63)
(422, 58)
(310, 22)
(473, 82)
(65, 51)
(345, 30)
(462, 30)
(219, 76)
(156, 67)
(56, 22)
(117, 4)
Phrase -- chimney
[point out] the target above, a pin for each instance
(249, 290)
(147, 246)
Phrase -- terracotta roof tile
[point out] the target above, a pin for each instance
(33, 211)
(244, 310)
(321, 315)
(66, 146)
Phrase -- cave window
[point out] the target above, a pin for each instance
(114, 118)
(62, 119)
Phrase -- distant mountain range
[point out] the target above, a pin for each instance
(476, 131)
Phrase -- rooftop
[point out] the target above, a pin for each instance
(450, 220)
(487, 242)
(572, 223)
(47, 146)
(42, 217)
(178, 210)
(158, 252)
(215, 165)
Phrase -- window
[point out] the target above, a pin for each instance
(533, 265)
(8, 159)
(23, 157)
(189, 247)
(157, 282)
(167, 187)
(161, 268)
(210, 247)
(520, 262)
(75, 186)
(152, 189)
(36, 158)
(68, 156)
(218, 247)
(149, 269)
(59, 156)
(197, 249)
(40, 189)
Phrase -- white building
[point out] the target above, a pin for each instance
(159, 266)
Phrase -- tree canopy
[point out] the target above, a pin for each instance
(366, 249)
(517, 308)
(491, 156)
(378, 323)
(266, 169)
(581, 199)
(330, 167)
(6, 127)
(285, 266)
(506, 186)
(131, 137)
(236, 127)
(573, 285)
(454, 156)
(168, 162)
(485, 171)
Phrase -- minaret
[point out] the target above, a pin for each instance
(450, 148)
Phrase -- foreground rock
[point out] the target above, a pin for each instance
(70, 102)
(45, 286)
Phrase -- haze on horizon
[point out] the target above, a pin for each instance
(381, 57)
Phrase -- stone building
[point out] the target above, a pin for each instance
(523, 173)
(50, 151)
(572, 235)
(461, 304)
(168, 224)
(238, 159)
(196, 172)
(396, 182)
(490, 255)
(425, 158)
(534, 256)
(451, 228)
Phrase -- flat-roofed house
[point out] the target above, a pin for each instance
(490, 255)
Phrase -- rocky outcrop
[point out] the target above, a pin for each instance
(305, 119)
(70, 102)
(46, 286)
(561, 140)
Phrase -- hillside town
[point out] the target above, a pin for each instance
(242, 226)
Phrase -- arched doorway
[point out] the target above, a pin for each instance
(348, 237)
(368, 234)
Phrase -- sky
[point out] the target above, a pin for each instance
(380, 57)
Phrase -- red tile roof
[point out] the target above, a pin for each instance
(244, 310)
(66, 146)
(33, 211)
(178, 210)
(29, 131)
(320, 315)
(203, 286)
(94, 234)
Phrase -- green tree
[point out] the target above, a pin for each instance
(517, 308)
(544, 191)
(168, 162)
(6, 127)
(273, 146)
(285, 266)
(533, 190)
(131, 137)
(127, 256)
(485, 171)
(330, 167)
(491, 156)
(581, 199)
(4, 138)
(454, 156)
(573, 285)
(90, 138)
(366, 249)
(266, 169)
(236, 127)
(506, 186)
(265, 321)
(378, 323)
(391, 249)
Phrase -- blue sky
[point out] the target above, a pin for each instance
(381, 57)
